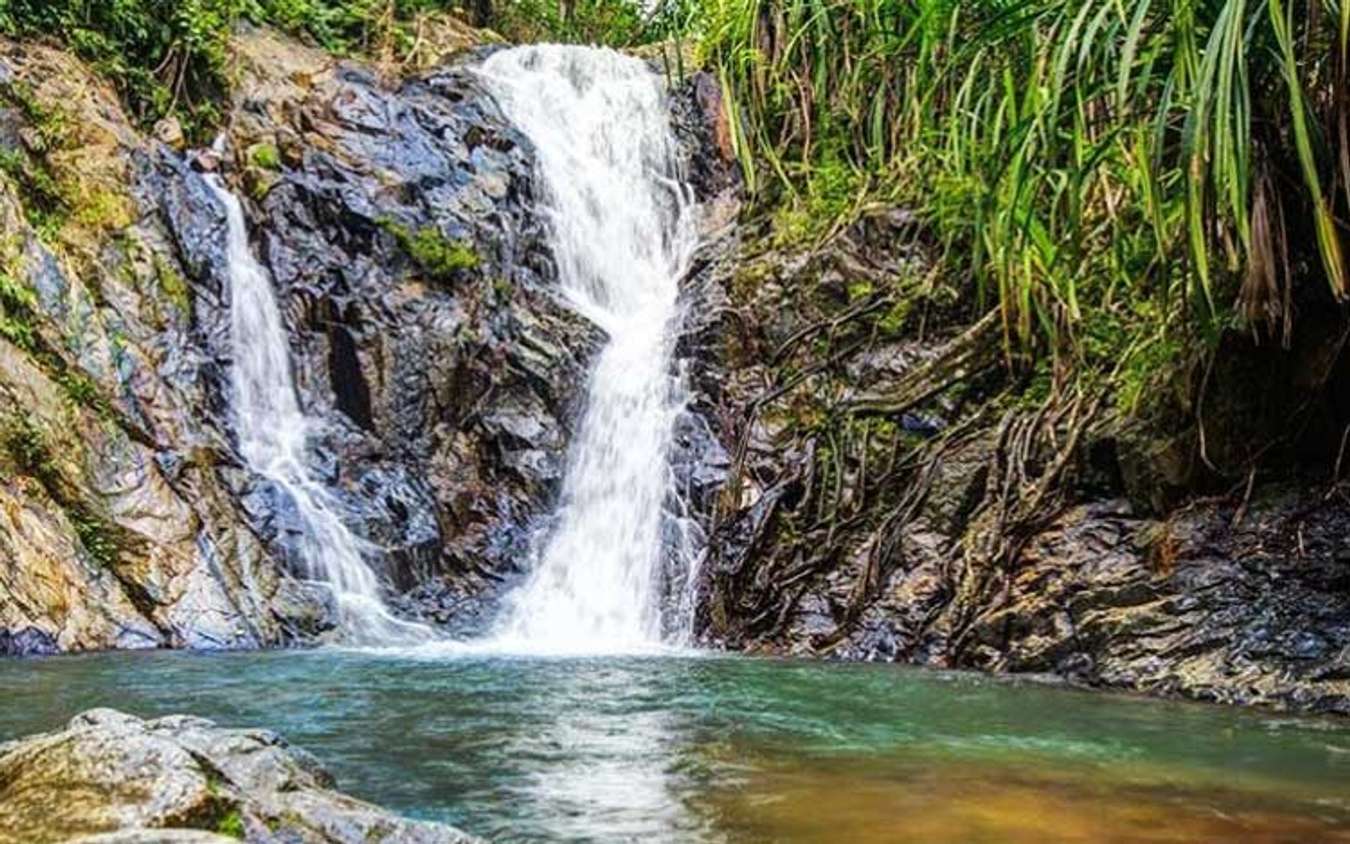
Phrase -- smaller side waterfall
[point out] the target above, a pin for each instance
(274, 433)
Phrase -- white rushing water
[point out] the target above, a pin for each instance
(273, 436)
(623, 232)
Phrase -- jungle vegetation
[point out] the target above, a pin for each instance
(1123, 180)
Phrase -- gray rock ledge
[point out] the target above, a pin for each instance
(113, 778)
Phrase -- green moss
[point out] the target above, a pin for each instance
(265, 155)
(860, 289)
(232, 825)
(436, 255)
(27, 449)
(749, 278)
(893, 321)
(103, 210)
(172, 283)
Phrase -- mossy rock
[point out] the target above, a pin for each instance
(441, 258)
(264, 155)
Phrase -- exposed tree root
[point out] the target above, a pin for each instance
(970, 353)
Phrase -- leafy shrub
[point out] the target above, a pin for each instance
(1112, 174)
(164, 57)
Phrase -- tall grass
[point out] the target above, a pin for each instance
(1115, 173)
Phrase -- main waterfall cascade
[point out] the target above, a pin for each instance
(624, 231)
(273, 434)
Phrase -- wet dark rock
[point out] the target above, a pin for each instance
(700, 120)
(699, 462)
(447, 403)
(29, 641)
(306, 609)
(462, 610)
(179, 778)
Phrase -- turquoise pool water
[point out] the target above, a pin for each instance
(703, 748)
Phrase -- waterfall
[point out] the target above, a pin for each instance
(623, 232)
(274, 433)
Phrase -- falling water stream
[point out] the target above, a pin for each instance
(623, 232)
(273, 437)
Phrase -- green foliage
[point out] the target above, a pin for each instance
(49, 200)
(17, 318)
(80, 388)
(265, 156)
(164, 57)
(1111, 173)
(44, 206)
(232, 825)
(439, 257)
(17, 301)
(27, 447)
(350, 26)
(172, 58)
(614, 23)
(389, 27)
(95, 536)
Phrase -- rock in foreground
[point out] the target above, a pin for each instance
(115, 777)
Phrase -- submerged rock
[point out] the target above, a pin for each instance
(112, 777)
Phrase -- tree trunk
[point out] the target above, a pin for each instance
(482, 13)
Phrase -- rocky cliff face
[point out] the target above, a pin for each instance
(396, 218)
(117, 528)
(400, 229)
(889, 499)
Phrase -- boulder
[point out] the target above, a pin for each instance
(113, 778)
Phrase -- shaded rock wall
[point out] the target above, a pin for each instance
(889, 498)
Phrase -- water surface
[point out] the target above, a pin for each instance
(699, 748)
